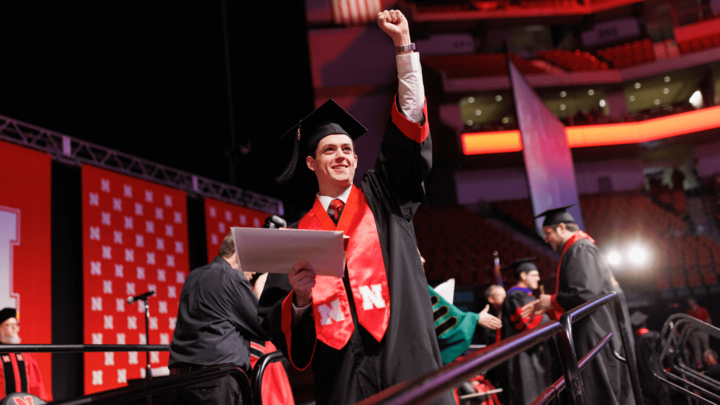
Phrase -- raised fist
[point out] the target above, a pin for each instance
(394, 23)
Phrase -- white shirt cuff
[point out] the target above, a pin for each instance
(298, 312)
(411, 91)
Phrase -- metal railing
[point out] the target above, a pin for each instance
(81, 348)
(159, 386)
(695, 385)
(75, 151)
(424, 389)
(145, 389)
(259, 372)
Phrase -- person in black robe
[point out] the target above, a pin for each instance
(647, 346)
(528, 371)
(584, 275)
(217, 317)
(362, 358)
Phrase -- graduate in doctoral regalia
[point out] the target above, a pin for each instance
(372, 328)
(583, 275)
(528, 371)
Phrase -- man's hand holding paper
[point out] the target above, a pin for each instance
(273, 251)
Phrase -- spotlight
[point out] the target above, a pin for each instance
(638, 255)
(471, 100)
(602, 102)
(498, 98)
(614, 258)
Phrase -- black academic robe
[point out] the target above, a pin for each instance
(527, 373)
(409, 349)
(584, 276)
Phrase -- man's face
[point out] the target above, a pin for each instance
(532, 279)
(335, 161)
(497, 298)
(692, 304)
(553, 238)
(9, 331)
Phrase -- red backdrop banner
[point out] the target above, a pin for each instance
(135, 239)
(25, 269)
(220, 216)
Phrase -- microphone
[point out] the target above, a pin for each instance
(143, 296)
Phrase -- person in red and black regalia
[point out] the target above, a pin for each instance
(373, 328)
(528, 371)
(583, 275)
(20, 370)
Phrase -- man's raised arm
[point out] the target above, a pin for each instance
(411, 92)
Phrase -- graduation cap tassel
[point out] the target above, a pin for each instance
(290, 169)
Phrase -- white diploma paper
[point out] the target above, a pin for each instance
(263, 250)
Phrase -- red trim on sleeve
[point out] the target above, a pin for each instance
(412, 130)
(286, 326)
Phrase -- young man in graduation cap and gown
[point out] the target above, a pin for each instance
(583, 275)
(528, 371)
(373, 328)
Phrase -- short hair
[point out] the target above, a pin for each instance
(227, 247)
(489, 290)
(568, 226)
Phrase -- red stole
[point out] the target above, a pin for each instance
(366, 271)
(559, 310)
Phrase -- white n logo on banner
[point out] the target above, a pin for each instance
(9, 237)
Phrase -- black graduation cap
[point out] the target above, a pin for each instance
(637, 319)
(557, 215)
(7, 313)
(328, 119)
(524, 265)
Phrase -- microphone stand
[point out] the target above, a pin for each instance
(148, 372)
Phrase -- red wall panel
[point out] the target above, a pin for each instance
(25, 269)
(134, 240)
(220, 216)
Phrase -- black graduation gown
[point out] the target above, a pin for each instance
(528, 371)
(584, 276)
(409, 349)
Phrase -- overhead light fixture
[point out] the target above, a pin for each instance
(478, 112)
(471, 100)
(469, 123)
(614, 258)
(667, 79)
(637, 85)
(638, 255)
(666, 90)
(602, 102)
(696, 99)
(498, 98)
(505, 120)
(563, 94)
(657, 102)
(562, 107)
(632, 98)
(591, 92)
